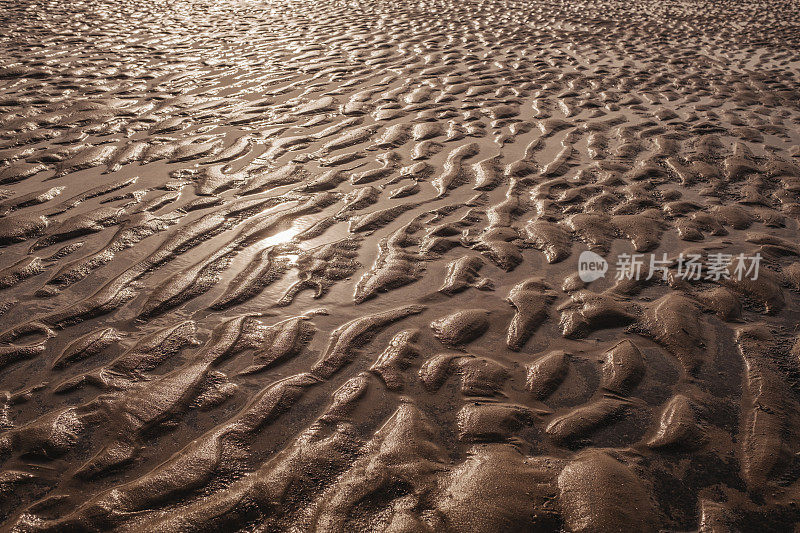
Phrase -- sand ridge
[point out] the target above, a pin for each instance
(313, 266)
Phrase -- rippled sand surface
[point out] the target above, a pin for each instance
(313, 266)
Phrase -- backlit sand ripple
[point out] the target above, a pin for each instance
(313, 266)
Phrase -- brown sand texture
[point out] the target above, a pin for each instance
(289, 266)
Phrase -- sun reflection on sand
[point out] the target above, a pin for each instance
(282, 237)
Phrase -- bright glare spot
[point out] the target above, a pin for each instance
(279, 238)
(292, 258)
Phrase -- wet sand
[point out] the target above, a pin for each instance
(313, 266)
